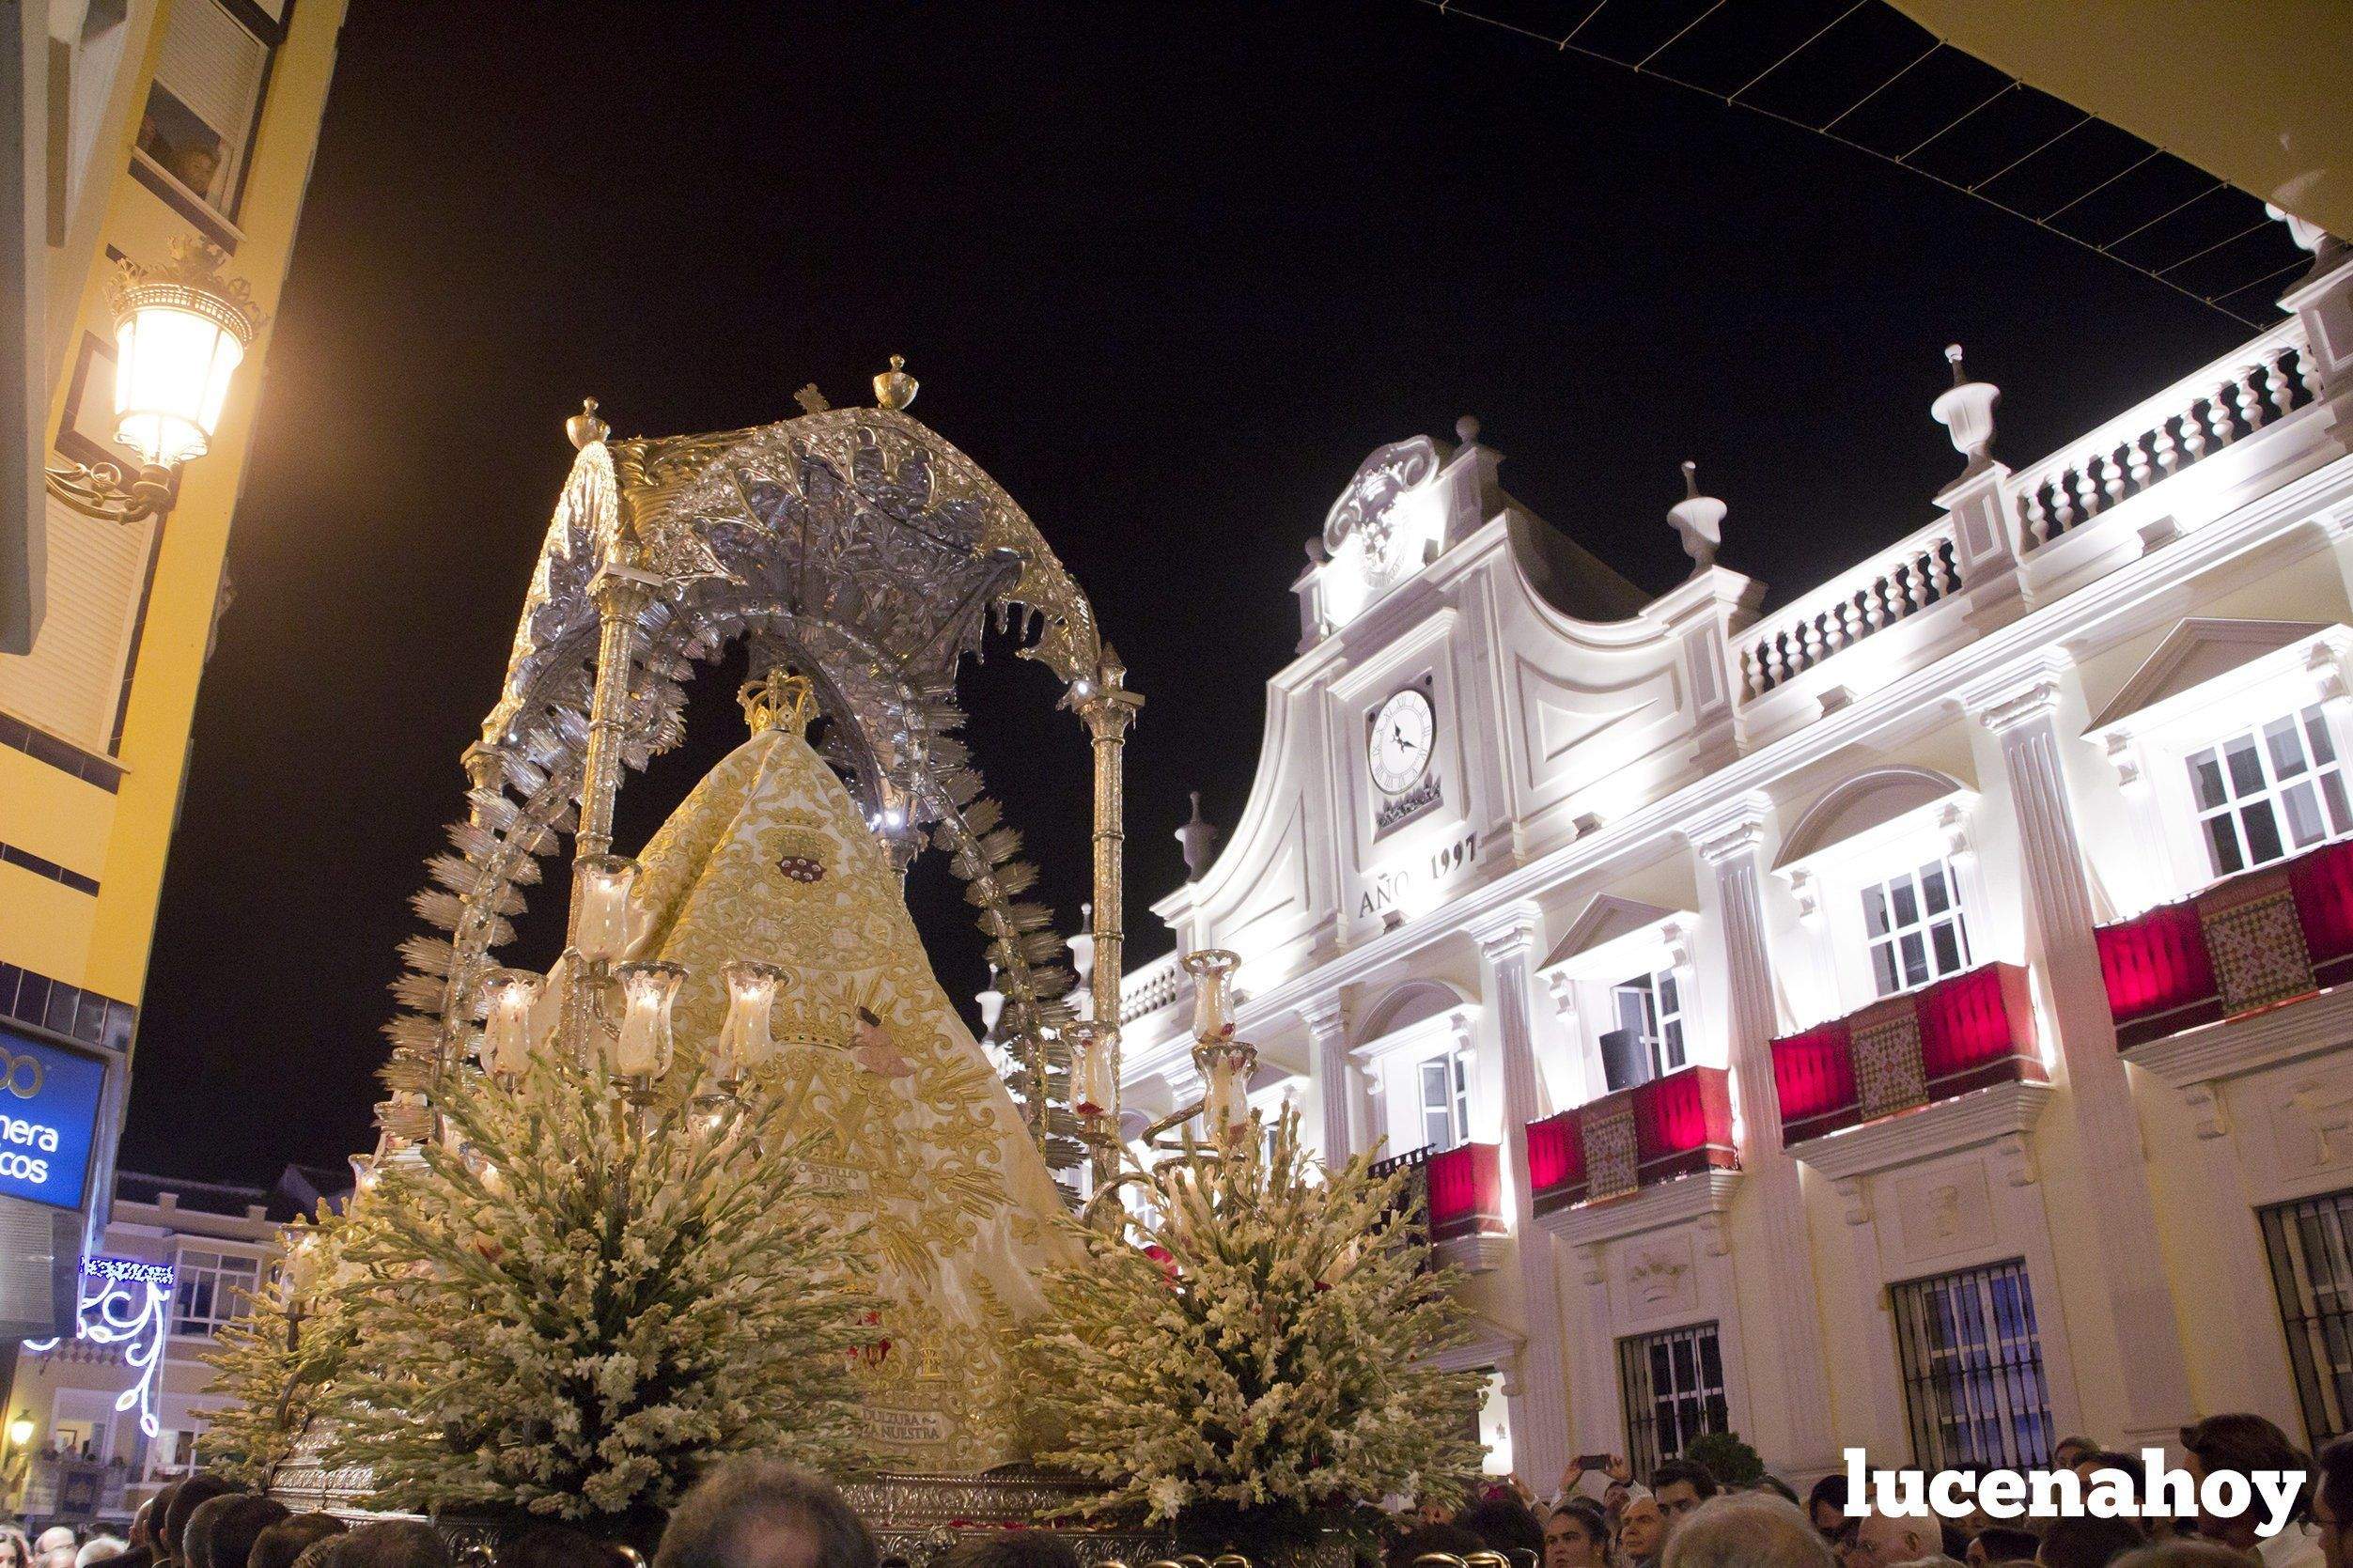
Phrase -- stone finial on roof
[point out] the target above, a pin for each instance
(1699, 518)
(1199, 840)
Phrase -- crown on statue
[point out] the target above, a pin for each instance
(781, 697)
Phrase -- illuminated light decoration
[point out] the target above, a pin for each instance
(125, 1303)
(1967, 1033)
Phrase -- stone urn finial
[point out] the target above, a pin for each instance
(584, 428)
(1699, 519)
(1966, 410)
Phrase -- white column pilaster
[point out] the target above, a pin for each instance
(1335, 1077)
(2022, 712)
(1540, 1441)
(1730, 842)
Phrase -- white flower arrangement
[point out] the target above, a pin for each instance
(566, 1315)
(1266, 1362)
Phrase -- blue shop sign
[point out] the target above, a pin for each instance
(49, 1102)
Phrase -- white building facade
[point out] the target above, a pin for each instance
(112, 1414)
(1910, 1019)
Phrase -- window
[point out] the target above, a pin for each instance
(2312, 1270)
(1651, 1005)
(1973, 1368)
(1913, 921)
(2270, 792)
(1673, 1388)
(211, 1290)
(1445, 1101)
(201, 109)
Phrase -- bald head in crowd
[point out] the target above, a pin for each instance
(1746, 1530)
(764, 1513)
(1883, 1539)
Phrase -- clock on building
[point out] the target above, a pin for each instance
(1398, 748)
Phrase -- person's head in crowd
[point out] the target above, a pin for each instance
(1503, 1522)
(56, 1557)
(54, 1537)
(322, 1552)
(1418, 1543)
(2331, 1496)
(278, 1545)
(1998, 1543)
(763, 1513)
(158, 1517)
(222, 1531)
(1576, 1535)
(2184, 1552)
(557, 1547)
(1681, 1486)
(191, 1494)
(2072, 1449)
(1884, 1540)
(1780, 1488)
(16, 1549)
(100, 1548)
(386, 1543)
(1825, 1504)
(2087, 1542)
(1012, 1548)
(142, 1524)
(2090, 1466)
(1746, 1530)
(2241, 1444)
(1642, 1529)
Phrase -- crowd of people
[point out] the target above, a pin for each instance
(762, 1514)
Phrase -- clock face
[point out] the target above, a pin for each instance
(1399, 748)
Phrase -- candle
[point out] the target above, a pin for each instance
(506, 1035)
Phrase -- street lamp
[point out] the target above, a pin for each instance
(181, 332)
(21, 1432)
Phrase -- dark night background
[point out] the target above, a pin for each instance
(1167, 270)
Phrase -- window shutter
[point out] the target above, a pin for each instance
(215, 66)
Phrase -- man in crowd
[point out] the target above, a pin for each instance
(1642, 1531)
(1745, 1530)
(2243, 1444)
(1883, 1541)
(1681, 1486)
(765, 1514)
(2000, 1543)
(2332, 1499)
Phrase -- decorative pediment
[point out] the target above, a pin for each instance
(2196, 651)
(1364, 515)
(1863, 804)
(1605, 920)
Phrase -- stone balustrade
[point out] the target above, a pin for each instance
(2194, 418)
(1898, 582)
(1146, 991)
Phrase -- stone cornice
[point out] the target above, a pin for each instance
(1731, 828)
(1933, 1130)
(2030, 689)
(1648, 1209)
(1324, 1015)
(2234, 1048)
(1507, 933)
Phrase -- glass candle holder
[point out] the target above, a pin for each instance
(745, 1043)
(648, 988)
(1212, 970)
(601, 923)
(506, 1032)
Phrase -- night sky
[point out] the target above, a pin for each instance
(1168, 272)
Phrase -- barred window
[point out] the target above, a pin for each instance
(1972, 1366)
(211, 1290)
(2312, 1270)
(1674, 1387)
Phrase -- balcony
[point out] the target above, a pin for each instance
(2253, 942)
(1940, 1042)
(1654, 1132)
(1462, 1186)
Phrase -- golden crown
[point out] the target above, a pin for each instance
(781, 697)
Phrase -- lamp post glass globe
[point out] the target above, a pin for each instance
(21, 1431)
(173, 363)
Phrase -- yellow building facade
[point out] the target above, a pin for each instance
(155, 123)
